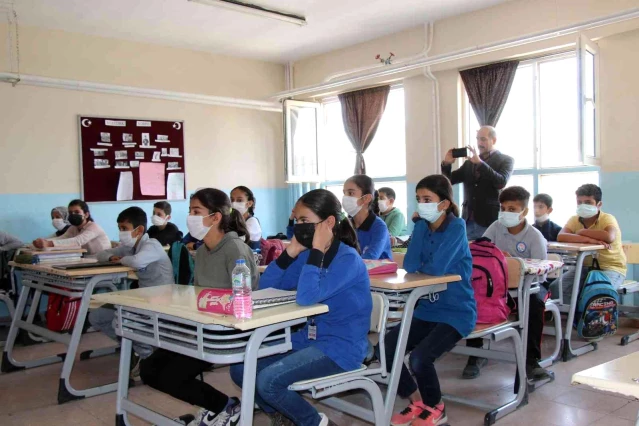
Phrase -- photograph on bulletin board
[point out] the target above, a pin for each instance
(127, 159)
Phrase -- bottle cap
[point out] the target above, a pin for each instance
(240, 261)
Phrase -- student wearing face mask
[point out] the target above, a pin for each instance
(360, 202)
(222, 229)
(152, 266)
(393, 217)
(438, 246)
(243, 200)
(163, 230)
(323, 264)
(83, 232)
(60, 220)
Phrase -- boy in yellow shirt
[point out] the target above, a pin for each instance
(591, 225)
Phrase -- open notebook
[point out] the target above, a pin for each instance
(272, 297)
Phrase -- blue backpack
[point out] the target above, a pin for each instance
(183, 263)
(596, 315)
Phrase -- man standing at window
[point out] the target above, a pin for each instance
(484, 175)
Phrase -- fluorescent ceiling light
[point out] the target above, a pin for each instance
(254, 9)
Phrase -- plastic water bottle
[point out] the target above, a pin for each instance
(242, 301)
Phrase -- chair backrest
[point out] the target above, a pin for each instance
(379, 313)
(557, 272)
(515, 272)
(399, 259)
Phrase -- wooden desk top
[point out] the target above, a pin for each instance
(614, 376)
(574, 247)
(181, 301)
(73, 273)
(403, 280)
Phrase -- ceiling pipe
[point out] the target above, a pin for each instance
(429, 32)
(390, 70)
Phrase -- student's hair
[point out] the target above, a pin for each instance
(325, 204)
(390, 192)
(515, 193)
(440, 185)
(367, 186)
(64, 212)
(164, 206)
(544, 199)
(249, 197)
(589, 190)
(134, 215)
(217, 201)
(84, 206)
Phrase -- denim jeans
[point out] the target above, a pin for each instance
(568, 280)
(277, 372)
(474, 231)
(103, 319)
(427, 341)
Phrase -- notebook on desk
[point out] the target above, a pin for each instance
(269, 297)
(86, 265)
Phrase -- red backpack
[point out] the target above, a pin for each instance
(490, 282)
(271, 250)
(62, 312)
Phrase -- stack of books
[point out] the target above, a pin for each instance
(56, 255)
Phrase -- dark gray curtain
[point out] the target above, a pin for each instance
(488, 88)
(362, 111)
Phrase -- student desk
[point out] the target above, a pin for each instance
(581, 251)
(78, 283)
(620, 376)
(167, 317)
(404, 291)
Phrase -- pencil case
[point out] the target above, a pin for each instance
(378, 267)
(215, 301)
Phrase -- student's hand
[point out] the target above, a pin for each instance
(115, 259)
(506, 254)
(190, 246)
(448, 158)
(322, 237)
(38, 243)
(473, 156)
(292, 216)
(295, 248)
(415, 215)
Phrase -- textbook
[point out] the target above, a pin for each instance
(272, 297)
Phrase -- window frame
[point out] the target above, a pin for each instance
(288, 148)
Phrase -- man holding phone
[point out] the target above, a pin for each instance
(484, 174)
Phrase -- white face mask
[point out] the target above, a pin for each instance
(350, 205)
(510, 219)
(240, 207)
(429, 211)
(383, 205)
(158, 221)
(127, 239)
(541, 219)
(58, 224)
(195, 225)
(586, 211)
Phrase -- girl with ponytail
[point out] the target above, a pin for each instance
(361, 203)
(438, 246)
(323, 264)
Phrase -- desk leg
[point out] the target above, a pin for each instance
(568, 352)
(8, 363)
(123, 382)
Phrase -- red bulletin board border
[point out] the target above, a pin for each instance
(101, 184)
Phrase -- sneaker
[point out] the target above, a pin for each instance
(325, 421)
(535, 372)
(134, 372)
(230, 416)
(473, 367)
(186, 419)
(278, 419)
(408, 414)
(432, 416)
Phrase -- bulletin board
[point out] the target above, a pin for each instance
(124, 159)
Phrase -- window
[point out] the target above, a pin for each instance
(540, 129)
(385, 157)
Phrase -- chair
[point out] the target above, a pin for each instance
(357, 379)
(552, 307)
(511, 329)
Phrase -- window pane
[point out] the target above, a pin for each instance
(561, 187)
(589, 81)
(589, 128)
(558, 113)
(304, 141)
(525, 181)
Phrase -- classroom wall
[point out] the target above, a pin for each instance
(224, 146)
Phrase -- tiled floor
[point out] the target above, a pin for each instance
(29, 397)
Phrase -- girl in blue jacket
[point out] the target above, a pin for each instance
(360, 202)
(438, 247)
(323, 264)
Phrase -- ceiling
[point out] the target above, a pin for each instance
(332, 24)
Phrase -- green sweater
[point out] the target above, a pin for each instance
(395, 221)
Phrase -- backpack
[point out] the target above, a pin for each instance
(183, 263)
(490, 282)
(271, 250)
(62, 312)
(596, 315)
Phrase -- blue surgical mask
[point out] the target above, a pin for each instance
(510, 219)
(429, 211)
(586, 211)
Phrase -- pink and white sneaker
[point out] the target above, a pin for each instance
(432, 416)
(408, 414)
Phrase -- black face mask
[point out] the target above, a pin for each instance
(304, 233)
(76, 219)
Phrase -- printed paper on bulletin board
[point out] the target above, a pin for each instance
(110, 146)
